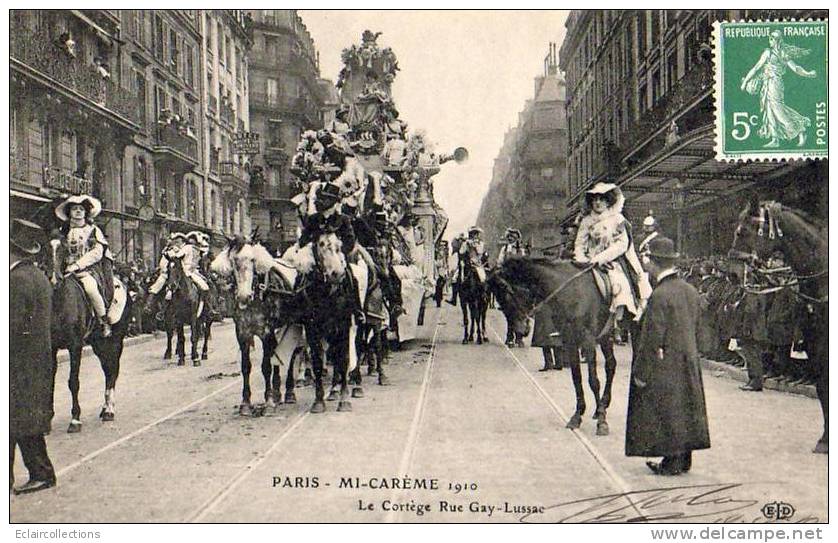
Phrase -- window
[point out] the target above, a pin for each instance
(656, 86)
(173, 51)
(272, 90)
(671, 70)
(140, 181)
(159, 37)
(192, 201)
(641, 34)
(656, 27)
(189, 68)
(139, 82)
(177, 192)
(214, 206)
(51, 144)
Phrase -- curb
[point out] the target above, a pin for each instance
(64, 356)
(741, 375)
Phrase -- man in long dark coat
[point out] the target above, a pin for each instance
(31, 365)
(666, 413)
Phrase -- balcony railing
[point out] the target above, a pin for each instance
(37, 51)
(232, 177)
(695, 83)
(171, 137)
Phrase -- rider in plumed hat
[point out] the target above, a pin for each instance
(89, 256)
(512, 246)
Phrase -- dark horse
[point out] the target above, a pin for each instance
(330, 320)
(769, 226)
(183, 309)
(205, 320)
(578, 311)
(474, 300)
(73, 325)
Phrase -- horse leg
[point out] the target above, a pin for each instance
(168, 354)
(272, 394)
(194, 337)
(315, 348)
(245, 409)
(607, 347)
(464, 308)
(73, 383)
(207, 325)
(571, 354)
(109, 357)
(291, 377)
(379, 342)
(181, 345)
(593, 381)
(341, 367)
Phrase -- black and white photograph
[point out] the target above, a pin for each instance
(418, 266)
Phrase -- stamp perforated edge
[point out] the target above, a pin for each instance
(782, 156)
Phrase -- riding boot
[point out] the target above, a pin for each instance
(455, 289)
(357, 309)
(106, 327)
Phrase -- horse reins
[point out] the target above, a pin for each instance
(561, 287)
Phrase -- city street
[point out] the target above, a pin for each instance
(475, 432)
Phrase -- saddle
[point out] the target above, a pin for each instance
(603, 284)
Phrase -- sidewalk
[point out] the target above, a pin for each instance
(64, 355)
(741, 374)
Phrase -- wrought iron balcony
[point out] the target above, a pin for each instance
(175, 143)
(233, 177)
(34, 53)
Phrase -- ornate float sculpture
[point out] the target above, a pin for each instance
(380, 168)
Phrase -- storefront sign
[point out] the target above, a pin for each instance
(246, 143)
(57, 179)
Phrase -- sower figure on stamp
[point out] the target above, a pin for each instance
(88, 256)
(779, 121)
(31, 365)
(666, 412)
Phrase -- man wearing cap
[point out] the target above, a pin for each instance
(31, 365)
(178, 248)
(666, 413)
(512, 247)
(473, 251)
(89, 258)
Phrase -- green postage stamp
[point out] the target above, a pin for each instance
(771, 90)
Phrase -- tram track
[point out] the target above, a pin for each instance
(619, 484)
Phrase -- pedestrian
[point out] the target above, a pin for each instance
(666, 412)
(544, 335)
(31, 364)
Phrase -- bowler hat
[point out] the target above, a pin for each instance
(23, 235)
(329, 193)
(663, 247)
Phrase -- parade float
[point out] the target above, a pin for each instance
(380, 167)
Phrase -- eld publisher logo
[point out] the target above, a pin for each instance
(778, 511)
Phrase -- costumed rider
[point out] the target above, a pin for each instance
(391, 283)
(199, 242)
(650, 232)
(177, 249)
(472, 252)
(512, 247)
(89, 257)
(456, 243)
(328, 218)
(604, 239)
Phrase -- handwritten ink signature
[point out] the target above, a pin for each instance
(657, 504)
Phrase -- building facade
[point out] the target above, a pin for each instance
(528, 188)
(640, 114)
(287, 97)
(73, 113)
(116, 103)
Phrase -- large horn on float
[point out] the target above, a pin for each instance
(459, 156)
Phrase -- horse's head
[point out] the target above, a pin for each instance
(242, 260)
(329, 258)
(758, 232)
(177, 276)
(514, 301)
